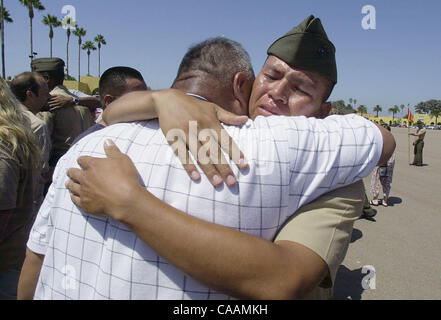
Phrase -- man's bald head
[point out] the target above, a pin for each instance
(211, 68)
(31, 90)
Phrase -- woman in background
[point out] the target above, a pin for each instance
(382, 175)
(20, 166)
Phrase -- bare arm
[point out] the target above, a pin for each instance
(239, 264)
(175, 111)
(29, 275)
(133, 106)
(89, 102)
(224, 259)
(146, 105)
(389, 145)
(61, 101)
(419, 134)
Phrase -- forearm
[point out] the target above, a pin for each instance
(133, 106)
(389, 145)
(224, 259)
(146, 105)
(89, 102)
(29, 275)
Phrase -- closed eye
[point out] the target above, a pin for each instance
(302, 91)
(269, 76)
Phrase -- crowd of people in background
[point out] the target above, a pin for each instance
(40, 119)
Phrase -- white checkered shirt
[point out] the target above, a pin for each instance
(293, 160)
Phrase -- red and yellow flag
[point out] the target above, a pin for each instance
(409, 116)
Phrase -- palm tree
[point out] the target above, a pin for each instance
(435, 113)
(378, 109)
(68, 23)
(99, 39)
(88, 45)
(350, 102)
(362, 109)
(31, 5)
(4, 16)
(79, 32)
(355, 103)
(52, 22)
(397, 109)
(394, 110)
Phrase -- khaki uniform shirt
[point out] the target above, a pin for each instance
(325, 226)
(65, 125)
(421, 133)
(39, 128)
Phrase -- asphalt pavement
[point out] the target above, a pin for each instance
(397, 254)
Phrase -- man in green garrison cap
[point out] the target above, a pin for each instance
(51, 69)
(296, 80)
(298, 75)
(70, 115)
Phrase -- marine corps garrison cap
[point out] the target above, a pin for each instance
(307, 47)
(47, 64)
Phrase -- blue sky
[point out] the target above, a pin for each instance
(397, 63)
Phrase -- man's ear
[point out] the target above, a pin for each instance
(29, 94)
(325, 109)
(108, 99)
(242, 90)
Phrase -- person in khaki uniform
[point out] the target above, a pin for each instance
(325, 227)
(32, 91)
(64, 124)
(418, 144)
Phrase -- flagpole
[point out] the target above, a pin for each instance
(408, 142)
(409, 121)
